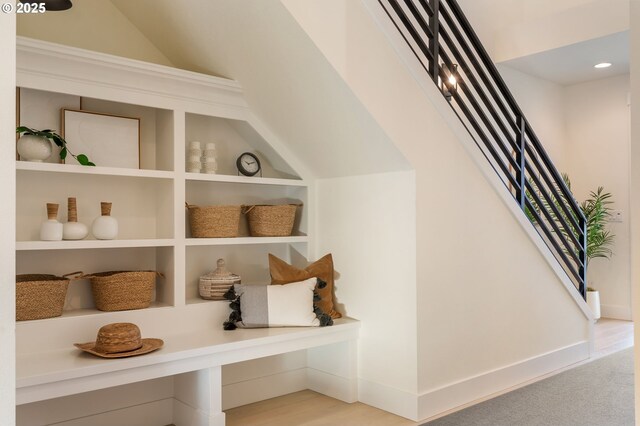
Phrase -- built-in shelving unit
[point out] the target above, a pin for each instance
(174, 108)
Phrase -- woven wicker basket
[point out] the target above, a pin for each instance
(271, 221)
(41, 296)
(214, 221)
(123, 290)
(214, 285)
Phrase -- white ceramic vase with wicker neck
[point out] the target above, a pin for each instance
(51, 229)
(105, 227)
(73, 230)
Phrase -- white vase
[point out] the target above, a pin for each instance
(209, 159)
(34, 148)
(593, 300)
(105, 227)
(51, 229)
(73, 230)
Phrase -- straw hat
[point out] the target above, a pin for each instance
(119, 340)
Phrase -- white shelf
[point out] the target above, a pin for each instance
(244, 179)
(92, 244)
(200, 300)
(92, 311)
(90, 170)
(246, 240)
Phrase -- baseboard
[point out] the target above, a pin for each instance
(621, 312)
(184, 414)
(261, 388)
(331, 385)
(152, 413)
(396, 401)
(476, 388)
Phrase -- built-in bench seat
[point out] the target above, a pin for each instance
(196, 360)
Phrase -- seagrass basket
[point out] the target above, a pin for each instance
(271, 221)
(214, 285)
(41, 296)
(214, 221)
(123, 290)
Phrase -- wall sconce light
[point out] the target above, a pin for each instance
(449, 85)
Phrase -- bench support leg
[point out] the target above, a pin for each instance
(332, 370)
(198, 398)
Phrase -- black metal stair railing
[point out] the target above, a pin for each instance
(451, 53)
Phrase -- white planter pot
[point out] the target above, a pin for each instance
(34, 148)
(593, 300)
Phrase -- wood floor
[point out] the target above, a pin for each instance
(309, 408)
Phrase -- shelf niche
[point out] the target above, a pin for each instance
(143, 207)
(79, 300)
(42, 110)
(251, 262)
(223, 193)
(232, 138)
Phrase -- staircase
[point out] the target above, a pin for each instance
(450, 52)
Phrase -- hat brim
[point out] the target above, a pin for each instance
(148, 345)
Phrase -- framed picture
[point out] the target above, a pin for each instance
(108, 140)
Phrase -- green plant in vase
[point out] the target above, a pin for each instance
(35, 145)
(597, 212)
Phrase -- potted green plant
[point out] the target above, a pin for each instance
(35, 145)
(597, 212)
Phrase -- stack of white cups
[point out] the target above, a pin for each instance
(193, 159)
(209, 162)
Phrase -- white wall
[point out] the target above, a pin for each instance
(7, 218)
(542, 102)
(634, 158)
(368, 223)
(597, 117)
(285, 80)
(477, 269)
(94, 25)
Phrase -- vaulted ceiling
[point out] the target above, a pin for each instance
(286, 79)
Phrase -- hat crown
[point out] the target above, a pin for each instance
(118, 337)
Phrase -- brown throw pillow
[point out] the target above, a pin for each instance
(283, 273)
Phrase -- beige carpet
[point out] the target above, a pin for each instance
(599, 393)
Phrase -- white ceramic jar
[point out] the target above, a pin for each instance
(105, 227)
(73, 230)
(34, 148)
(51, 229)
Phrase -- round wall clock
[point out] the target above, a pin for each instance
(248, 164)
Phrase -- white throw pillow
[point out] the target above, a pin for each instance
(288, 305)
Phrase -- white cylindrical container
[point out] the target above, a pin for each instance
(105, 227)
(194, 157)
(73, 230)
(34, 148)
(51, 230)
(593, 300)
(209, 160)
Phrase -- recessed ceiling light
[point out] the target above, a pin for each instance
(602, 65)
